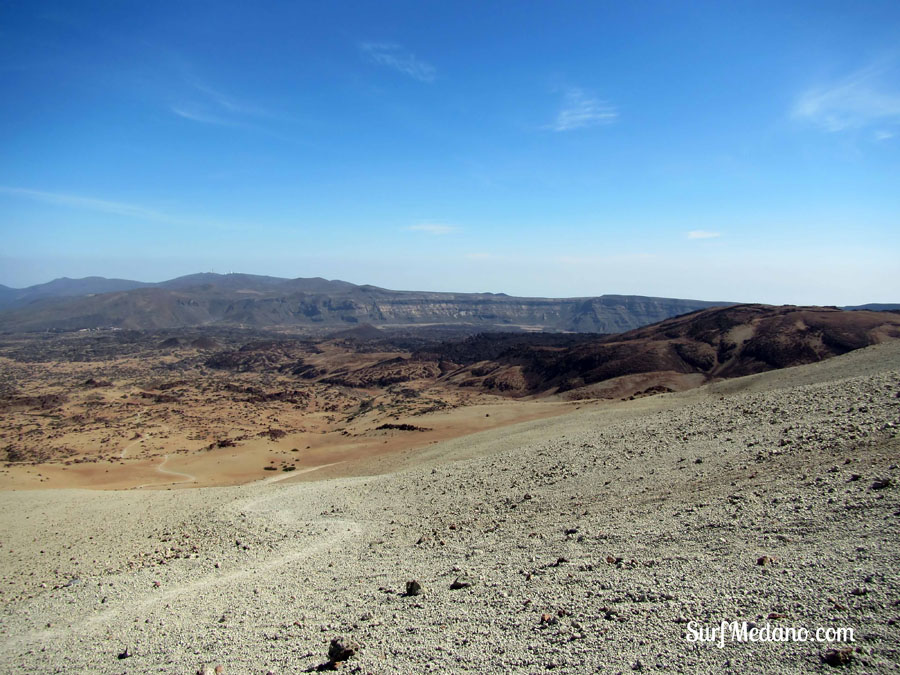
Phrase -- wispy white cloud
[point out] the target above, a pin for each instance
(229, 103)
(433, 228)
(89, 203)
(102, 205)
(703, 234)
(856, 101)
(882, 135)
(200, 116)
(580, 110)
(210, 106)
(396, 57)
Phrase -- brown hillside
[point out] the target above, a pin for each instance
(685, 351)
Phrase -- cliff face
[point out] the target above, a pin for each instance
(601, 315)
(242, 300)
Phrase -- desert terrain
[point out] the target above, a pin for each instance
(254, 517)
(512, 338)
(141, 410)
(571, 544)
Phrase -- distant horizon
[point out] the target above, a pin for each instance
(434, 290)
(663, 148)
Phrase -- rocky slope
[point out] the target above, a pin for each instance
(580, 544)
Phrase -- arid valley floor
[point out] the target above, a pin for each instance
(546, 534)
(135, 410)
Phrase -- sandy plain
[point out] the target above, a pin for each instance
(582, 543)
(160, 418)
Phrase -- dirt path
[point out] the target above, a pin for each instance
(129, 446)
(136, 441)
(189, 592)
(291, 474)
(188, 478)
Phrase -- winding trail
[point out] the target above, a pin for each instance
(216, 581)
(191, 589)
(188, 478)
(290, 474)
(129, 446)
(138, 440)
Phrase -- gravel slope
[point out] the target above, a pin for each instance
(588, 540)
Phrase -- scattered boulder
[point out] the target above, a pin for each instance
(838, 657)
(341, 649)
(125, 654)
(401, 427)
(210, 670)
(882, 483)
(413, 588)
(460, 582)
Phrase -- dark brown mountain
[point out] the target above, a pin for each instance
(675, 354)
(681, 352)
(258, 302)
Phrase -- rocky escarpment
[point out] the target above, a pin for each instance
(249, 301)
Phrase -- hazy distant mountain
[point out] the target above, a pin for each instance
(64, 287)
(223, 281)
(261, 301)
(877, 307)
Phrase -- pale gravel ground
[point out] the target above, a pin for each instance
(260, 578)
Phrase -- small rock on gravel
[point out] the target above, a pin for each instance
(341, 649)
(460, 582)
(838, 657)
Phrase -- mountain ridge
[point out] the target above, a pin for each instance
(252, 300)
(261, 301)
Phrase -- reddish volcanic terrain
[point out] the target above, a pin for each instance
(226, 406)
(682, 352)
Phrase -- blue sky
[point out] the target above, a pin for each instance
(745, 151)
